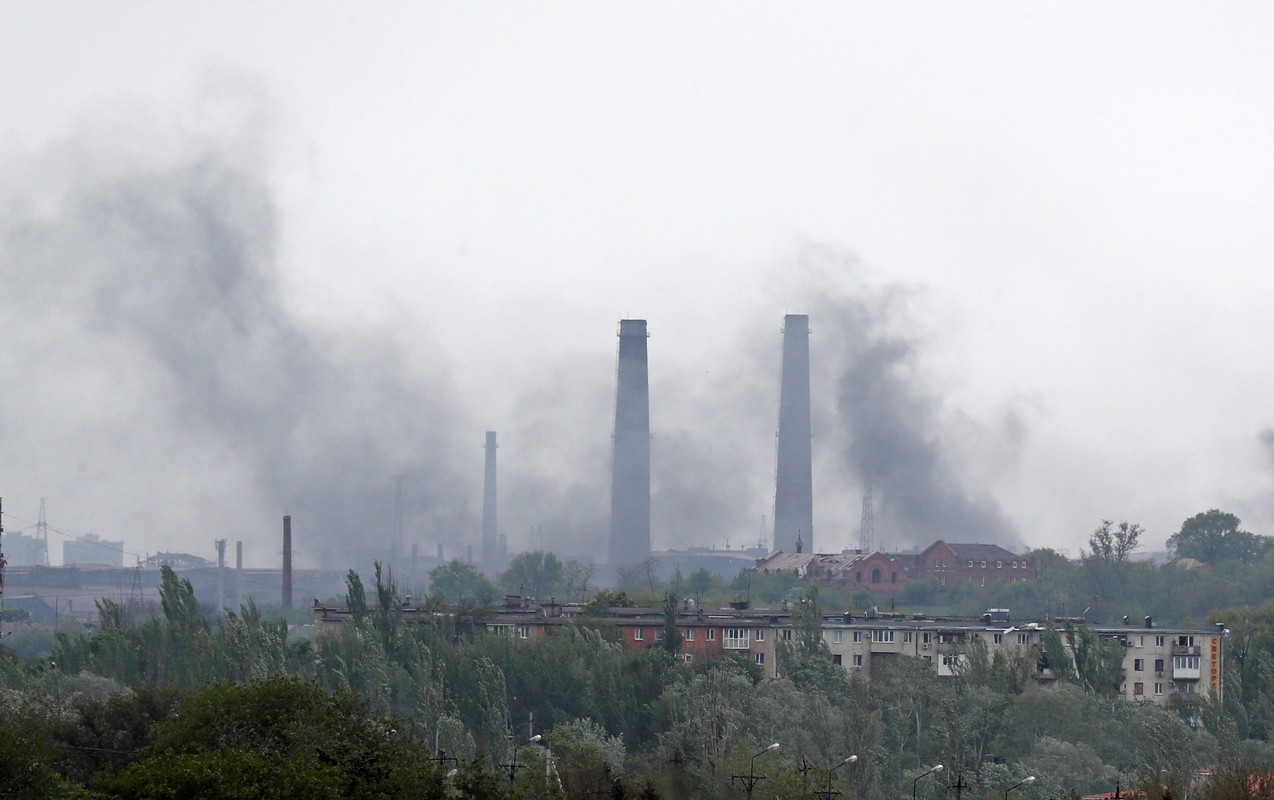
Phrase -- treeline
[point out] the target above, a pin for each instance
(178, 705)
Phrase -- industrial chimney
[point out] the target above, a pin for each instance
(630, 476)
(794, 484)
(490, 532)
(287, 561)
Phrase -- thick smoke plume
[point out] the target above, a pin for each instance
(149, 330)
(888, 421)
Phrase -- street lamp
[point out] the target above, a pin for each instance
(751, 779)
(829, 793)
(515, 766)
(934, 768)
(1031, 779)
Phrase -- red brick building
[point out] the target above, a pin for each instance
(974, 563)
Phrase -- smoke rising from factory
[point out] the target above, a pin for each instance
(169, 383)
(882, 415)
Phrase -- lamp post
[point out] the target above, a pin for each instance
(515, 766)
(1031, 779)
(751, 779)
(934, 768)
(829, 793)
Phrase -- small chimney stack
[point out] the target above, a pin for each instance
(287, 561)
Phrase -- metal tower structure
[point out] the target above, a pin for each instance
(630, 462)
(42, 537)
(867, 528)
(490, 528)
(396, 536)
(2, 565)
(794, 482)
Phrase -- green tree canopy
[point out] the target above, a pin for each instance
(1214, 536)
(535, 574)
(457, 582)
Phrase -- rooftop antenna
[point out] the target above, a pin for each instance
(867, 527)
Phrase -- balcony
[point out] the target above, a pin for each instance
(1179, 650)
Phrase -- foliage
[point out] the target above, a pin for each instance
(456, 582)
(1214, 536)
(533, 574)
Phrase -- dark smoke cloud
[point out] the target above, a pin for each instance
(144, 292)
(888, 420)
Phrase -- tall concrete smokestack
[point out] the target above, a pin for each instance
(630, 477)
(794, 483)
(287, 561)
(490, 532)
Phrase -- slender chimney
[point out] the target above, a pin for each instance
(630, 480)
(490, 534)
(794, 484)
(287, 561)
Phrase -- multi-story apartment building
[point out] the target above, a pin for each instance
(1157, 663)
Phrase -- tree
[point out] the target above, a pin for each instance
(602, 602)
(457, 581)
(671, 639)
(1214, 536)
(1112, 545)
(575, 578)
(535, 574)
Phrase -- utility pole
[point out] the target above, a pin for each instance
(2, 564)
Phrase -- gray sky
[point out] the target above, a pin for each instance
(263, 257)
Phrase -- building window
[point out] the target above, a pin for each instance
(1185, 662)
(690, 634)
(836, 659)
(906, 636)
(983, 565)
(736, 639)
(524, 631)
(926, 637)
(999, 565)
(1014, 565)
(970, 563)
(1138, 689)
(950, 661)
(1159, 665)
(1158, 689)
(858, 660)
(1158, 641)
(638, 634)
(999, 638)
(1024, 638)
(858, 636)
(875, 575)
(503, 630)
(858, 576)
(1138, 665)
(838, 637)
(760, 635)
(1185, 641)
(712, 634)
(787, 634)
(759, 658)
(882, 636)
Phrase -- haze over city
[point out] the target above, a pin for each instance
(264, 260)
